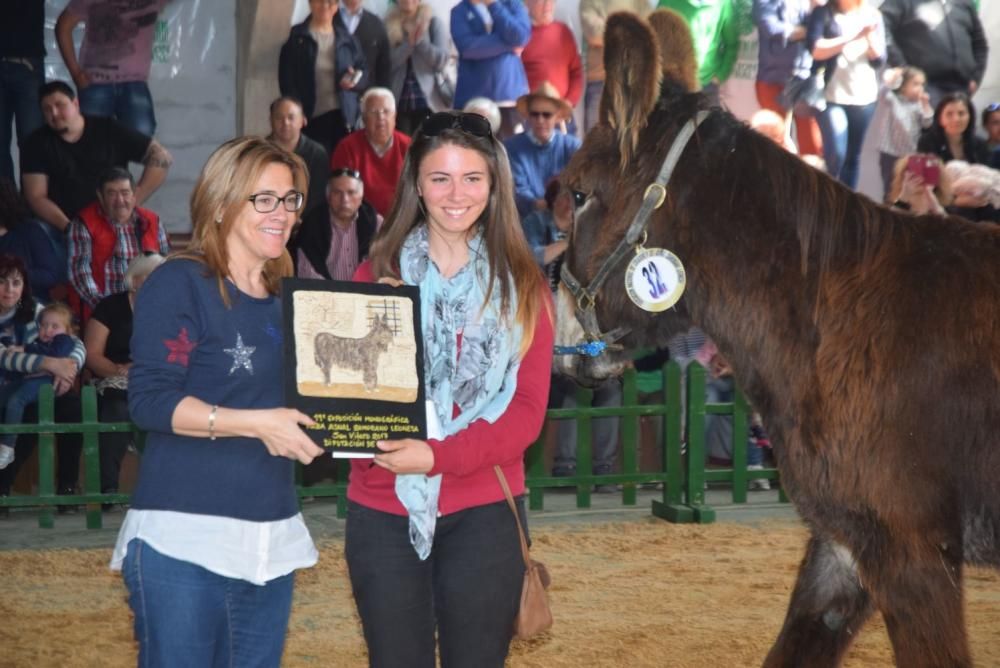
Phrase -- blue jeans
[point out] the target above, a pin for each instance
(604, 431)
(719, 428)
(188, 616)
(843, 127)
(592, 104)
(129, 103)
(15, 397)
(469, 587)
(19, 83)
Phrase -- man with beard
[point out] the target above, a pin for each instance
(63, 160)
(377, 151)
(107, 235)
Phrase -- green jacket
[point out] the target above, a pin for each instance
(715, 32)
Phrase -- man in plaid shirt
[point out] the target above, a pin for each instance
(108, 234)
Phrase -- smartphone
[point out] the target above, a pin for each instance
(926, 167)
(356, 77)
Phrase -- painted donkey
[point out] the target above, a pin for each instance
(356, 354)
(868, 339)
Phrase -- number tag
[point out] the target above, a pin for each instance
(655, 279)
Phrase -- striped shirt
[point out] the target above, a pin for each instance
(342, 259)
(81, 258)
(903, 121)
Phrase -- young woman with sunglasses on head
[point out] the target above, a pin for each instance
(431, 544)
(209, 548)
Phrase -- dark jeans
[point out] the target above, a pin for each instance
(68, 448)
(407, 122)
(112, 406)
(130, 103)
(470, 585)
(844, 127)
(186, 615)
(604, 431)
(327, 129)
(19, 83)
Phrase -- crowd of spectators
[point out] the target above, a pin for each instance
(354, 89)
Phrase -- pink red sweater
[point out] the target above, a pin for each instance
(466, 459)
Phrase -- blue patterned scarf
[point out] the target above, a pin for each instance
(481, 381)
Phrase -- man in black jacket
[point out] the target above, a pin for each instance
(944, 38)
(334, 239)
(369, 32)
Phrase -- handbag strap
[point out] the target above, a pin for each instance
(517, 518)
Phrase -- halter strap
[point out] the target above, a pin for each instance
(586, 297)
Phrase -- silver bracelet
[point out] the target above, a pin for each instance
(211, 422)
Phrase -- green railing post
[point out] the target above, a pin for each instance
(630, 436)
(584, 451)
(740, 444)
(672, 508)
(46, 457)
(91, 455)
(694, 487)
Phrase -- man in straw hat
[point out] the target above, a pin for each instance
(541, 151)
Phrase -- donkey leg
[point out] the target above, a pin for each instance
(827, 609)
(919, 592)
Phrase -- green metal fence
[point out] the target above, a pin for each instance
(680, 472)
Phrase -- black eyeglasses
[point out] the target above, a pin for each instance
(473, 124)
(345, 171)
(266, 202)
(541, 114)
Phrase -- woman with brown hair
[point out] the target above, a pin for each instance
(209, 547)
(431, 544)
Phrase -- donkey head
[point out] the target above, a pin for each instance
(650, 78)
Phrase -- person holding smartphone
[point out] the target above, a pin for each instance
(321, 65)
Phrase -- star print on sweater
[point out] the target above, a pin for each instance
(180, 348)
(241, 355)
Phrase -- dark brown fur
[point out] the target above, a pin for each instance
(868, 340)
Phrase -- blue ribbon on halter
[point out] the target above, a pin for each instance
(590, 349)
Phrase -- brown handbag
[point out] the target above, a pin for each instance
(534, 615)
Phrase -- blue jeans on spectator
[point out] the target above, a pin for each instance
(15, 397)
(592, 104)
(719, 428)
(604, 431)
(469, 587)
(843, 127)
(20, 79)
(186, 615)
(130, 103)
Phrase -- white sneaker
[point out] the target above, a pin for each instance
(759, 483)
(6, 456)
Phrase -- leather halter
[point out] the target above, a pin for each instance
(586, 297)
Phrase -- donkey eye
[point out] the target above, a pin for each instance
(579, 198)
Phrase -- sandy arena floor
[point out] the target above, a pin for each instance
(635, 594)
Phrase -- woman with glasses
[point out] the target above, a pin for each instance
(431, 544)
(209, 547)
(323, 66)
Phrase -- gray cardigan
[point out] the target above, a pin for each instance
(431, 54)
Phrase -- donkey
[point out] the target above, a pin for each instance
(868, 339)
(356, 354)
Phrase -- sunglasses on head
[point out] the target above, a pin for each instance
(345, 171)
(541, 114)
(995, 106)
(467, 122)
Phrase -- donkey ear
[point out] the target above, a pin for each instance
(632, 78)
(680, 65)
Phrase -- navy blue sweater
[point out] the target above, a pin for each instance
(185, 342)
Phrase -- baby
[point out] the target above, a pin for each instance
(55, 326)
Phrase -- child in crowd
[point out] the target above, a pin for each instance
(909, 110)
(55, 324)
